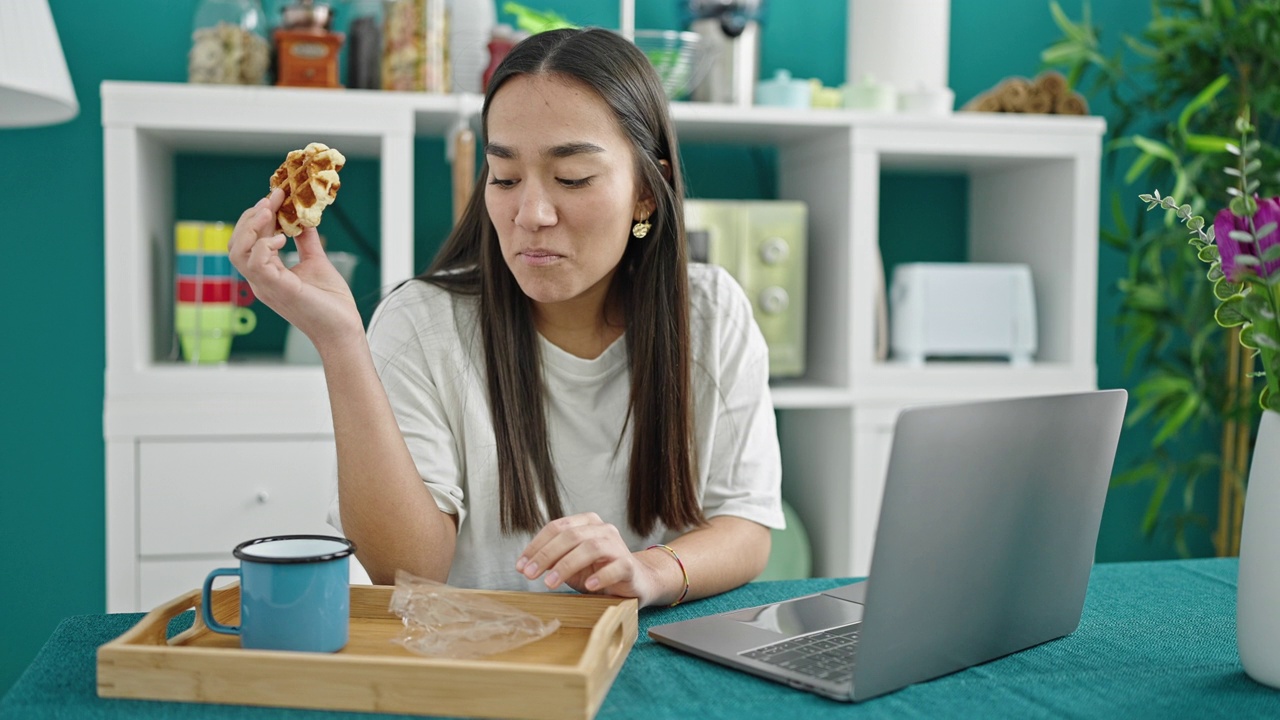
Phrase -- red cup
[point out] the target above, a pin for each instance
(214, 290)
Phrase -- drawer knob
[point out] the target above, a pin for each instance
(263, 497)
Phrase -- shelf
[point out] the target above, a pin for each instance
(1032, 197)
(202, 117)
(961, 380)
(796, 395)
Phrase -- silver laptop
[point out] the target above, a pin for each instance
(985, 541)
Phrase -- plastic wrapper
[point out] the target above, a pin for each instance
(444, 621)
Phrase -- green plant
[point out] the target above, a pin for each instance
(1242, 249)
(1177, 89)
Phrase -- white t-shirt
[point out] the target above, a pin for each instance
(427, 349)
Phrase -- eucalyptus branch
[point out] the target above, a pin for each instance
(1195, 223)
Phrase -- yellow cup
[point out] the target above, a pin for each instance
(190, 236)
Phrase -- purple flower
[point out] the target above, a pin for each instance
(1228, 249)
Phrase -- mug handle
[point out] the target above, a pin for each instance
(244, 321)
(206, 613)
(244, 296)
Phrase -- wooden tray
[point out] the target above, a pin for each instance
(564, 675)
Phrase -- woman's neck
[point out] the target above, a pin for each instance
(583, 327)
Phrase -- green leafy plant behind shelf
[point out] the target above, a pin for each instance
(1177, 89)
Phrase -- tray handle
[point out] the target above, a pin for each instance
(608, 641)
(154, 626)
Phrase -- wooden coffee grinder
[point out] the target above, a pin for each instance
(306, 50)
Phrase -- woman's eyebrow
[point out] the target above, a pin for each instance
(557, 151)
(575, 148)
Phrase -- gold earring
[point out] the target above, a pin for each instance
(641, 228)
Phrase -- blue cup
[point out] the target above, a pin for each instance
(294, 593)
(210, 266)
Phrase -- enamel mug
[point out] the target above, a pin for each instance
(294, 593)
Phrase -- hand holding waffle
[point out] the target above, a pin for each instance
(312, 295)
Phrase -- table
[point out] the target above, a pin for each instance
(1157, 640)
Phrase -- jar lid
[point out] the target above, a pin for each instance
(307, 14)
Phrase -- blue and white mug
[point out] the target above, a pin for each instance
(294, 593)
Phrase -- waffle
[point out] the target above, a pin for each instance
(309, 178)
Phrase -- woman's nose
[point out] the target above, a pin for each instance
(536, 210)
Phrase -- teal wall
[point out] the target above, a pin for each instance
(51, 229)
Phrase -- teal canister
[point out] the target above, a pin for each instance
(784, 91)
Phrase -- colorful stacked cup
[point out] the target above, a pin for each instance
(211, 297)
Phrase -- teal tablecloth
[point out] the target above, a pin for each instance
(1157, 640)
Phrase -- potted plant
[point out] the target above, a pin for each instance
(1242, 249)
(1177, 89)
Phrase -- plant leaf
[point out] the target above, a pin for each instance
(1230, 313)
(1264, 341)
(1159, 149)
(1177, 420)
(1138, 167)
(1064, 23)
(1064, 53)
(1247, 337)
(1135, 475)
(1203, 98)
(1152, 514)
(1269, 401)
(1146, 298)
(1206, 144)
(1224, 289)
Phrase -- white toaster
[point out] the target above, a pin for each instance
(962, 310)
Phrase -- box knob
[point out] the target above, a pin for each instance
(774, 250)
(774, 300)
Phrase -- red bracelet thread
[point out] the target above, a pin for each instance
(683, 572)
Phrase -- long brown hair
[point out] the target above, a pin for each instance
(651, 284)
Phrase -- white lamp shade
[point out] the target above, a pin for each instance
(35, 85)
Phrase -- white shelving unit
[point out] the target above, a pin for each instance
(199, 458)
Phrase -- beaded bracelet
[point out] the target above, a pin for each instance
(683, 572)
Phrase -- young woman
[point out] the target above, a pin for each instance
(561, 399)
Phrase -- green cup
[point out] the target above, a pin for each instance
(205, 330)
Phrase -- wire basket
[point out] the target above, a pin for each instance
(681, 58)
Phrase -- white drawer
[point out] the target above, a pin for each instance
(204, 498)
(160, 581)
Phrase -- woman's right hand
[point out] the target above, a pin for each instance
(311, 295)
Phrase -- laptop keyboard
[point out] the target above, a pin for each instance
(826, 655)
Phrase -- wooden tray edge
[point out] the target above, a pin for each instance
(144, 649)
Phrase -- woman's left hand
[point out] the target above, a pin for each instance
(589, 556)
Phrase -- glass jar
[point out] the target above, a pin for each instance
(229, 43)
(364, 45)
(415, 46)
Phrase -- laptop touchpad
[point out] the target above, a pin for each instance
(800, 616)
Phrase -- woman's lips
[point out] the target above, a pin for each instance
(538, 258)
